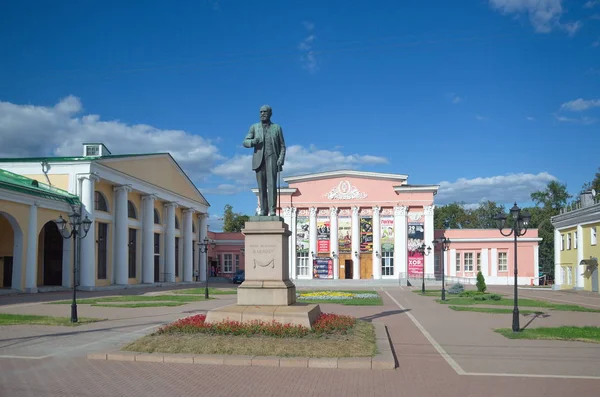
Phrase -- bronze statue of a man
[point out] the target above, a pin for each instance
(269, 154)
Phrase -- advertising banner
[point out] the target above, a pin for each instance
(415, 238)
(387, 234)
(323, 268)
(366, 234)
(323, 234)
(302, 234)
(345, 234)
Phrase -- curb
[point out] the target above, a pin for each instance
(383, 360)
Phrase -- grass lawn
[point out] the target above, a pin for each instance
(15, 319)
(137, 300)
(450, 300)
(360, 342)
(581, 334)
(211, 291)
(330, 297)
(493, 310)
(139, 304)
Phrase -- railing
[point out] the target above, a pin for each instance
(578, 205)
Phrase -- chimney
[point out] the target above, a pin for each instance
(586, 198)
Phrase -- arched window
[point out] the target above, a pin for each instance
(131, 211)
(176, 222)
(100, 203)
(156, 217)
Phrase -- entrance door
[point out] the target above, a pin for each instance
(53, 252)
(595, 279)
(366, 266)
(156, 257)
(348, 267)
(8, 268)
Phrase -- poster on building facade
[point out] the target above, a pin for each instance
(323, 268)
(345, 234)
(387, 234)
(302, 234)
(323, 234)
(415, 237)
(366, 234)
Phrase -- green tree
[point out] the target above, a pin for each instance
(554, 197)
(483, 216)
(452, 216)
(481, 287)
(233, 221)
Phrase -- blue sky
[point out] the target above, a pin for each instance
(492, 99)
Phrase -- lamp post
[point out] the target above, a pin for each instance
(203, 248)
(444, 245)
(517, 229)
(79, 229)
(424, 250)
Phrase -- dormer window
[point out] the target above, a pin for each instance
(95, 150)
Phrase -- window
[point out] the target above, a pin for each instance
(302, 264)
(156, 217)
(237, 262)
(92, 150)
(502, 262)
(562, 242)
(132, 252)
(176, 222)
(594, 236)
(458, 261)
(102, 250)
(479, 261)
(568, 241)
(100, 203)
(227, 263)
(176, 256)
(575, 240)
(131, 211)
(436, 265)
(468, 259)
(387, 263)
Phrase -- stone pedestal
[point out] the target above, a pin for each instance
(267, 293)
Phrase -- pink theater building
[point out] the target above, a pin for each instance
(366, 225)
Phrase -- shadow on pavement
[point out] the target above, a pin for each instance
(534, 316)
(383, 314)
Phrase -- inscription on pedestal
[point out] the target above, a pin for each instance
(263, 255)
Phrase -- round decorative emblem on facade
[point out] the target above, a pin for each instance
(345, 191)
(344, 187)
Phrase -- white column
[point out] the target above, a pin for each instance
(579, 269)
(188, 266)
(400, 253)
(355, 243)
(333, 240)
(485, 264)
(376, 243)
(148, 239)
(32, 251)
(536, 264)
(67, 262)
(494, 262)
(170, 242)
(452, 262)
(294, 256)
(287, 219)
(121, 244)
(428, 236)
(203, 230)
(558, 279)
(312, 238)
(87, 257)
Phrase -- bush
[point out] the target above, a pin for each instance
(481, 287)
(468, 294)
(495, 297)
(480, 298)
(456, 289)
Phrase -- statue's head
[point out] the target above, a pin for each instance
(265, 113)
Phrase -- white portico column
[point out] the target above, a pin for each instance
(203, 230)
(558, 275)
(312, 237)
(148, 239)
(121, 244)
(188, 266)
(333, 240)
(428, 236)
(355, 243)
(32, 250)
(87, 261)
(287, 219)
(170, 243)
(376, 243)
(400, 254)
(294, 256)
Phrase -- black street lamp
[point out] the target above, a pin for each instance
(444, 245)
(203, 248)
(79, 229)
(424, 250)
(518, 229)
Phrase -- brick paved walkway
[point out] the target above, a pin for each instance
(422, 370)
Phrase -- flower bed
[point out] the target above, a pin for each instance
(336, 295)
(325, 324)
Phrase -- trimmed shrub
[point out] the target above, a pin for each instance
(495, 297)
(456, 289)
(468, 294)
(480, 297)
(481, 287)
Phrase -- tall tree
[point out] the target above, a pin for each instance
(451, 216)
(483, 216)
(233, 221)
(554, 197)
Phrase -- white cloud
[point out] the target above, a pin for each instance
(529, 118)
(455, 99)
(578, 120)
(596, 43)
(28, 131)
(480, 118)
(580, 104)
(309, 60)
(592, 4)
(544, 15)
(501, 189)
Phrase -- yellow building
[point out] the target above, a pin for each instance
(147, 218)
(576, 250)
